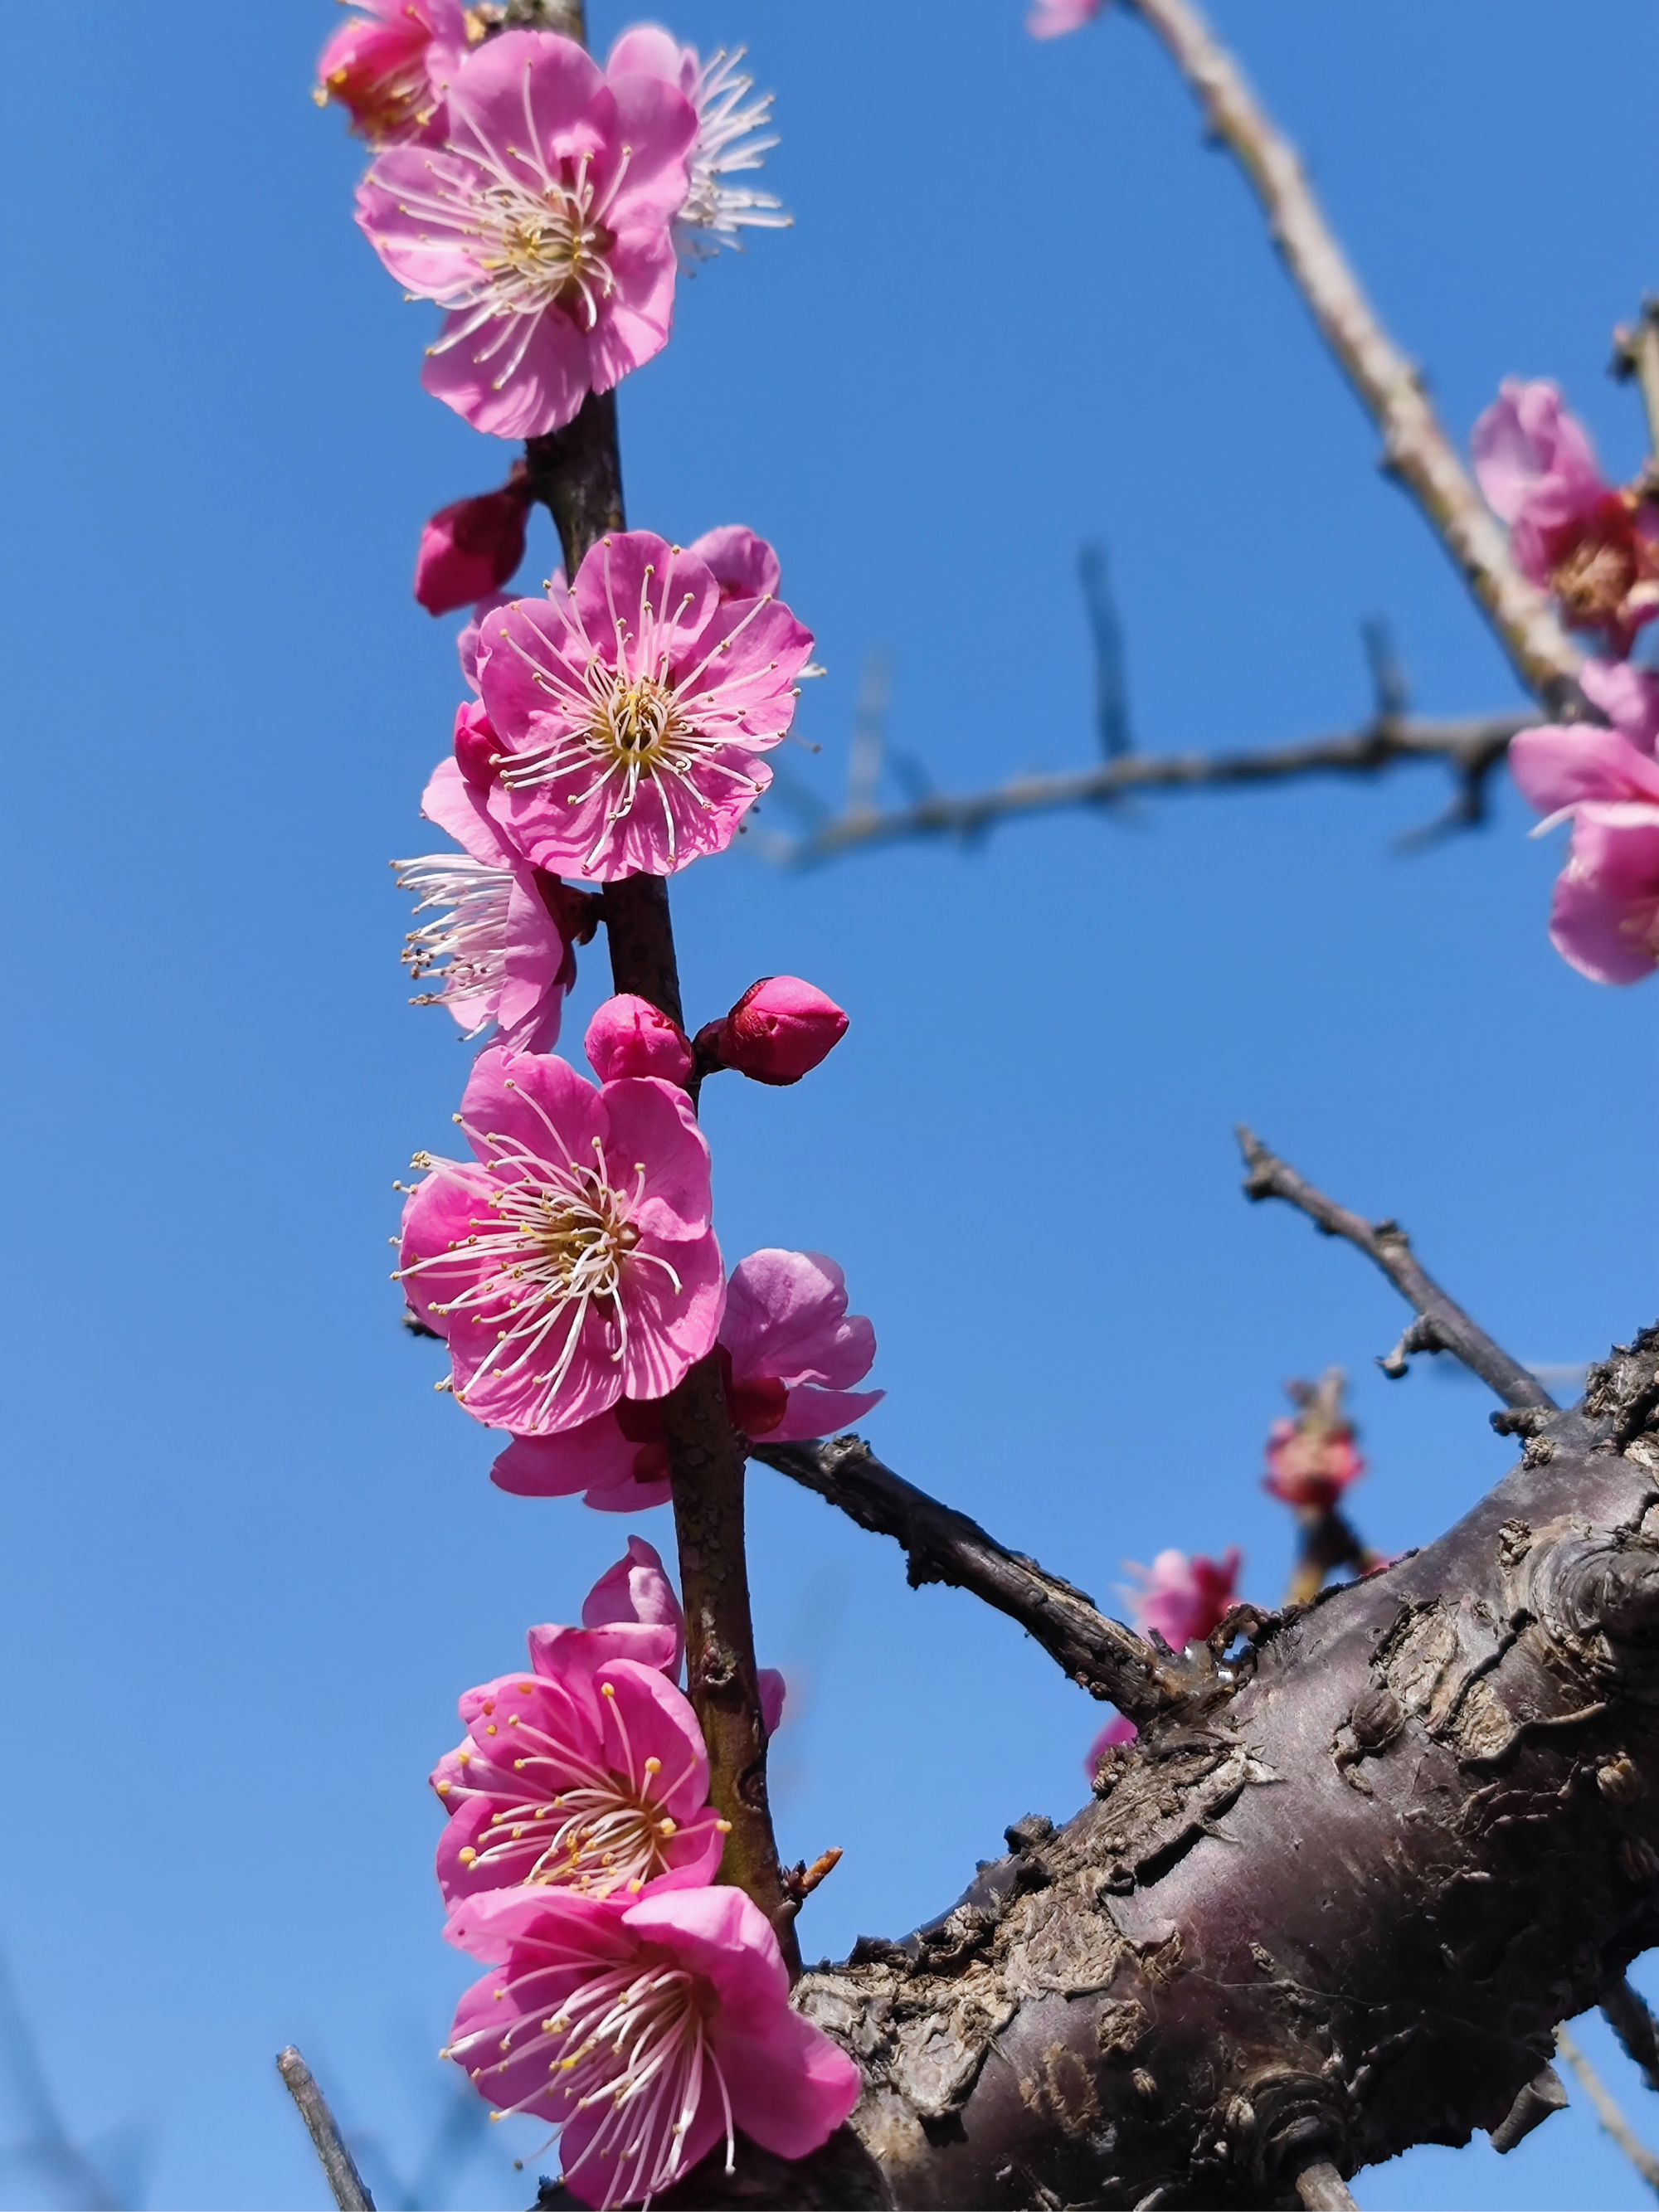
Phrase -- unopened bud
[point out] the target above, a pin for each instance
(471, 548)
(778, 1032)
(630, 1036)
(476, 745)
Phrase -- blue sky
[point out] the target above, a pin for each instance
(254, 1558)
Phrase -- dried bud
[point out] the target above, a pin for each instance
(778, 1032)
(471, 548)
(630, 1036)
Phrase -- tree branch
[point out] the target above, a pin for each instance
(1626, 2012)
(344, 2181)
(1472, 745)
(942, 1546)
(1441, 1325)
(1613, 2122)
(1415, 448)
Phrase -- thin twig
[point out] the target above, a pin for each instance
(1415, 448)
(1472, 745)
(942, 1546)
(1613, 2122)
(343, 2178)
(1322, 2189)
(1441, 1325)
(1626, 2013)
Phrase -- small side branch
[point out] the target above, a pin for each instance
(1626, 2012)
(942, 1546)
(1471, 746)
(1441, 1325)
(1613, 2122)
(1415, 447)
(343, 2178)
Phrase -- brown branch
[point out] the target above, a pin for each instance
(344, 2181)
(576, 473)
(1415, 448)
(1613, 2122)
(1626, 2013)
(1328, 1541)
(1473, 746)
(1441, 1325)
(942, 1546)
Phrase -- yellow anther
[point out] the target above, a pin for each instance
(653, 1766)
(490, 1729)
(468, 1856)
(723, 1827)
(442, 1787)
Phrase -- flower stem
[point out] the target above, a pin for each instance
(577, 473)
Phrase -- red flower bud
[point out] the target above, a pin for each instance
(470, 550)
(778, 1032)
(630, 1036)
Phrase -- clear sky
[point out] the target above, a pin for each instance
(253, 1557)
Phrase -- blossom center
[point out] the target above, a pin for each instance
(548, 247)
(638, 723)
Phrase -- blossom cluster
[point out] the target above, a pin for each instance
(640, 2009)
(544, 203)
(1594, 546)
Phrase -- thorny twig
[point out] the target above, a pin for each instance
(1441, 1325)
(344, 2181)
(942, 1546)
(1613, 2122)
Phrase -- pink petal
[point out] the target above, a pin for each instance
(456, 806)
(812, 1412)
(652, 1122)
(670, 1330)
(1563, 764)
(636, 1588)
(791, 2086)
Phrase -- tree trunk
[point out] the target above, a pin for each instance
(1337, 1912)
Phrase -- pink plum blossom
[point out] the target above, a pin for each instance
(629, 1036)
(789, 1353)
(1595, 548)
(541, 224)
(1605, 917)
(577, 1774)
(631, 712)
(779, 1031)
(742, 564)
(1184, 1599)
(573, 1264)
(648, 2031)
(636, 1589)
(390, 66)
(1052, 19)
(1313, 1458)
(713, 211)
(471, 548)
(502, 943)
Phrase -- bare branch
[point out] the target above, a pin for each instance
(944, 1545)
(344, 2181)
(1415, 448)
(1472, 745)
(1626, 2013)
(1441, 1325)
(1322, 2189)
(1613, 2122)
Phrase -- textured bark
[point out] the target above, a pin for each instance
(1339, 1913)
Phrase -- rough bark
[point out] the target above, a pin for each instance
(1339, 1912)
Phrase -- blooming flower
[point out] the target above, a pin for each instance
(647, 2031)
(631, 712)
(471, 548)
(573, 1264)
(1052, 19)
(1312, 1459)
(1184, 1599)
(713, 211)
(789, 1353)
(630, 1036)
(779, 1031)
(588, 1776)
(390, 67)
(1604, 916)
(505, 933)
(541, 224)
(1597, 548)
